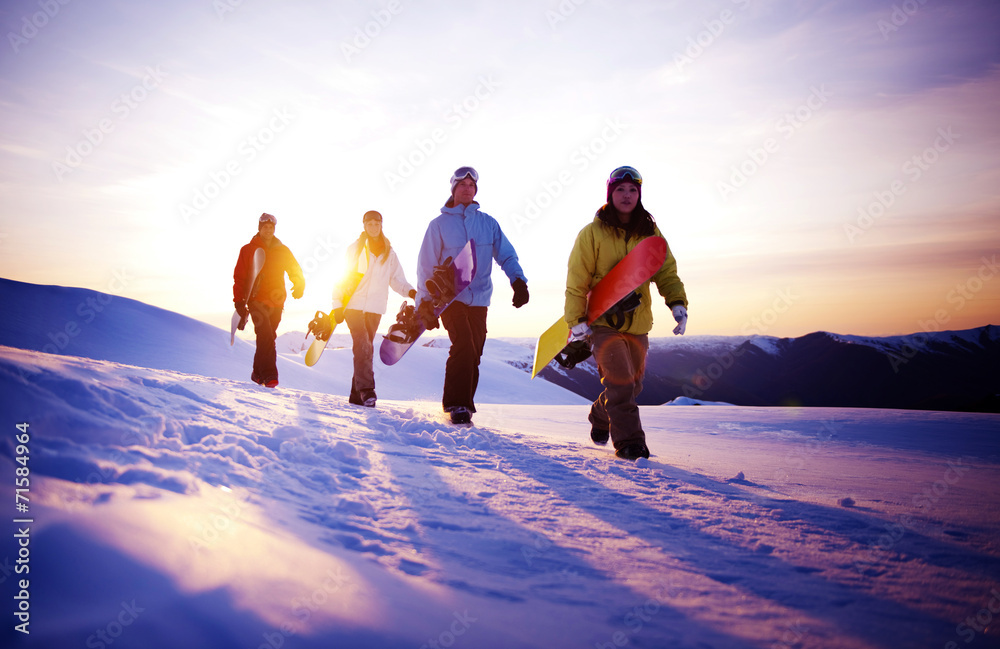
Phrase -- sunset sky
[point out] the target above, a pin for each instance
(813, 165)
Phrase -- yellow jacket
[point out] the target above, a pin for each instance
(599, 246)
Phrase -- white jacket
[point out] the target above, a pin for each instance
(379, 274)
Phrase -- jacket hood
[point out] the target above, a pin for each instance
(257, 240)
(451, 208)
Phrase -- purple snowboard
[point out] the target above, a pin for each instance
(408, 327)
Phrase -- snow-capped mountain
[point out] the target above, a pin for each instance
(948, 370)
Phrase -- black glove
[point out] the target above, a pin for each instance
(241, 308)
(425, 312)
(520, 292)
(337, 315)
(297, 291)
(413, 294)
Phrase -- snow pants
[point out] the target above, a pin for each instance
(621, 363)
(363, 326)
(265, 326)
(466, 327)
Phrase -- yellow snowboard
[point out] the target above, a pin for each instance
(549, 344)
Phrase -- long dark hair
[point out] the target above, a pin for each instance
(640, 223)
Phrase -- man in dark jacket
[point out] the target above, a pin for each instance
(264, 299)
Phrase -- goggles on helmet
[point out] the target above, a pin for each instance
(625, 173)
(268, 218)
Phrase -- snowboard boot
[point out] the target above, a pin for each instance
(599, 436)
(633, 451)
(461, 415)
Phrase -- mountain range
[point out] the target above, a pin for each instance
(947, 370)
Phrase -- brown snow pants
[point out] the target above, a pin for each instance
(621, 363)
(363, 326)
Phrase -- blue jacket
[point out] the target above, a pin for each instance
(446, 236)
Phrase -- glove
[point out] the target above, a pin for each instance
(297, 291)
(579, 332)
(413, 294)
(681, 316)
(425, 312)
(337, 315)
(520, 292)
(241, 308)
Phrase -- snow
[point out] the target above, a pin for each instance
(175, 504)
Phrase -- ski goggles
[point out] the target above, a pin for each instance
(268, 218)
(371, 215)
(464, 172)
(625, 173)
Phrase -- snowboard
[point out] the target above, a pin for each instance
(448, 281)
(238, 321)
(635, 269)
(318, 345)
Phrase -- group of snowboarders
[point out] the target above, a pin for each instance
(618, 339)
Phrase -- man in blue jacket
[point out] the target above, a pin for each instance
(465, 318)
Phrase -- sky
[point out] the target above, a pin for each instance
(813, 165)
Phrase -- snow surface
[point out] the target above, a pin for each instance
(186, 507)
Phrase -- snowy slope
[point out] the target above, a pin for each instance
(173, 508)
(81, 322)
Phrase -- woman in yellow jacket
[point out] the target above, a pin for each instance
(619, 339)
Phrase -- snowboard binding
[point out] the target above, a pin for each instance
(573, 354)
(441, 284)
(320, 326)
(405, 329)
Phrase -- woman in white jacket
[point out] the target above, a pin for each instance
(362, 297)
